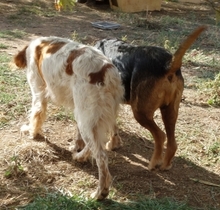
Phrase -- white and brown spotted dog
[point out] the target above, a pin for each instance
(79, 77)
(152, 80)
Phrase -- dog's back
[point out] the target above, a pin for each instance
(136, 63)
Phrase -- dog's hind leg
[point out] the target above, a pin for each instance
(83, 155)
(115, 141)
(94, 147)
(146, 120)
(104, 176)
(169, 116)
(79, 144)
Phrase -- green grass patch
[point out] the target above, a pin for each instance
(3, 46)
(34, 8)
(56, 201)
(13, 94)
(9, 34)
(211, 88)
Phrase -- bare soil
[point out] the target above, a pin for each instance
(48, 162)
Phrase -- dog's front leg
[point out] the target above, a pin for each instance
(37, 117)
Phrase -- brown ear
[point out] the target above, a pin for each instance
(20, 59)
(178, 56)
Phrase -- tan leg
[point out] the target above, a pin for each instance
(146, 120)
(169, 116)
(115, 141)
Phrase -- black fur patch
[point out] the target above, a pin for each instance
(139, 62)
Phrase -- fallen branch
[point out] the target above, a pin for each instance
(205, 182)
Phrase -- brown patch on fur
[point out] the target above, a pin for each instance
(98, 77)
(72, 56)
(53, 48)
(20, 59)
(40, 51)
(177, 57)
(46, 47)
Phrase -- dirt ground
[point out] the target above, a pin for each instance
(48, 162)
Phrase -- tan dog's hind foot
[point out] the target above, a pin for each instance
(165, 167)
(154, 163)
(97, 195)
(159, 163)
(114, 143)
(167, 162)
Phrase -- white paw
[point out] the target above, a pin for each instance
(24, 130)
(97, 195)
(108, 146)
(94, 195)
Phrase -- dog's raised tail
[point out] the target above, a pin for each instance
(20, 59)
(178, 56)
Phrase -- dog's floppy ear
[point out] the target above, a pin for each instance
(178, 56)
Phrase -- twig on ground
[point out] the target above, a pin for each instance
(205, 182)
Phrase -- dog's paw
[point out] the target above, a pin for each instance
(154, 163)
(100, 195)
(165, 167)
(114, 143)
(79, 157)
(78, 145)
(25, 130)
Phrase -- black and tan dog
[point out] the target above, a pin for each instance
(152, 79)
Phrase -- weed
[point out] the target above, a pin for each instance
(212, 89)
(15, 168)
(214, 149)
(215, 91)
(12, 100)
(66, 4)
(3, 46)
(124, 38)
(75, 36)
(9, 34)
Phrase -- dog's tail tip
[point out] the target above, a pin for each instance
(177, 57)
(20, 59)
